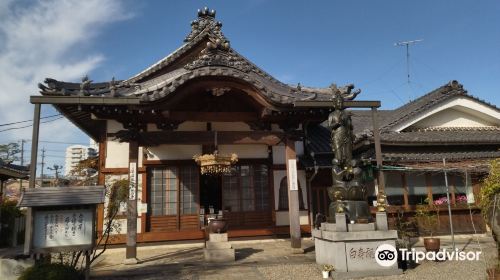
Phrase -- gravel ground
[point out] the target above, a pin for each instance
(268, 260)
(427, 270)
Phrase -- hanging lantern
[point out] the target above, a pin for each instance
(215, 164)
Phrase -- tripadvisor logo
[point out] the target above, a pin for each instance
(387, 255)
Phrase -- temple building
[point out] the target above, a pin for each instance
(207, 99)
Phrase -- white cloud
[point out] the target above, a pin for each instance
(41, 40)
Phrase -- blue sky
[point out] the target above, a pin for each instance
(295, 41)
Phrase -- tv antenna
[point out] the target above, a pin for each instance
(407, 45)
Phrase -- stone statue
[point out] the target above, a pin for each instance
(339, 121)
(348, 194)
(85, 86)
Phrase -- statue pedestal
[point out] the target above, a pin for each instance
(218, 249)
(352, 251)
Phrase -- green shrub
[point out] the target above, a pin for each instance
(51, 271)
(9, 213)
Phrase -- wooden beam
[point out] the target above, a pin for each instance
(378, 150)
(428, 183)
(213, 116)
(404, 181)
(207, 137)
(131, 249)
(84, 100)
(329, 104)
(33, 164)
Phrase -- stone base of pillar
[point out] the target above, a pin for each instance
(130, 261)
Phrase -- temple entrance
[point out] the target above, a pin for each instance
(211, 193)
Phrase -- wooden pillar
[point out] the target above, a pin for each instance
(293, 193)
(378, 150)
(131, 250)
(404, 180)
(33, 163)
(428, 183)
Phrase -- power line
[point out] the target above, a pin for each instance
(57, 142)
(13, 128)
(6, 124)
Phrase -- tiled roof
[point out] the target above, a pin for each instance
(56, 196)
(443, 137)
(409, 156)
(8, 170)
(205, 53)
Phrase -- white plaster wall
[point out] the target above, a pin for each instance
(283, 218)
(452, 118)
(245, 151)
(463, 104)
(113, 126)
(278, 175)
(279, 152)
(152, 127)
(173, 152)
(230, 126)
(120, 226)
(116, 154)
(299, 148)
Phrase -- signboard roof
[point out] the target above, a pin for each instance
(58, 196)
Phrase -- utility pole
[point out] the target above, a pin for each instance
(407, 45)
(43, 164)
(22, 163)
(55, 168)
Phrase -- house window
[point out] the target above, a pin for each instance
(164, 191)
(439, 188)
(417, 188)
(169, 185)
(394, 188)
(283, 195)
(246, 189)
(189, 189)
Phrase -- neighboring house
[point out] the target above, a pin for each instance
(447, 123)
(9, 171)
(75, 154)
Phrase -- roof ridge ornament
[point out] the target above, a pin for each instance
(205, 20)
(346, 91)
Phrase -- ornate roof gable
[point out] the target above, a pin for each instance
(206, 21)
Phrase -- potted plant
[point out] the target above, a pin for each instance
(326, 270)
(427, 219)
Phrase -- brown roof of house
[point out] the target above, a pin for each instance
(9, 170)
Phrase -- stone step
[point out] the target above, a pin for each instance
(219, 255)
(218, 245)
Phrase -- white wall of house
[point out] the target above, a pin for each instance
(465, 112)
(453, 118)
